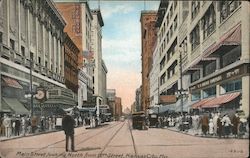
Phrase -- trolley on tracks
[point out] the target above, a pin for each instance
(138, 120)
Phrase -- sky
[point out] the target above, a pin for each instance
(121, 45)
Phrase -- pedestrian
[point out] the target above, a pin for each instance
(68, 124)
(219, 126)
(204, 124)
(17, 126)
(23, 126)
(195, 122)
(235, 122)
(33, 124)
(7, 125)
(211, 127)
(226, 122)
(215, 118)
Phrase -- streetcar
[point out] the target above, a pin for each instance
(105, 114)
(138, 120)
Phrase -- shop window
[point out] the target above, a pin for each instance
(209, 22)
(39, 60)
(209, 92)
(195, 37)
(195, 95)
(209, 68)
(231, 86)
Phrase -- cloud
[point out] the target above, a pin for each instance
(109, 10)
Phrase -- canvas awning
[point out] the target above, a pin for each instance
(200, 103)
(15, 105)
(230, 39)
(12, 82)
(217, 102)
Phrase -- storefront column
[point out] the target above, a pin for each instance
(217, 63)
(217, 90)
(245, 95)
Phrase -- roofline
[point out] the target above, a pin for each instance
(99, 16)
(145, 12)
(59, 16)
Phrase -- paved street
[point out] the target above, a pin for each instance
(117, 140)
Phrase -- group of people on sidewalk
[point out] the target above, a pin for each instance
(11, 125)
(208, 124)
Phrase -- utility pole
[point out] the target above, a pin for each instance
(31, 86)
(181, 89)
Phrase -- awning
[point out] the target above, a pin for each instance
(5, 107)
(12, 83)
(231, 38)
(15, 105)
(186, 105)
(200, 103)
(216, 102)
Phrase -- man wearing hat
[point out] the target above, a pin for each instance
(68, 126)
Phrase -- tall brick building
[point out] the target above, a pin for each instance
(148, 39)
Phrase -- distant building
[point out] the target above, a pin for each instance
(148, 38)
(138, 100)
(118, 107)
(111, 94)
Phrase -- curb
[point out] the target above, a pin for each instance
(30, 135)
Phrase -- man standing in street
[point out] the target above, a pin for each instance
(68, 126)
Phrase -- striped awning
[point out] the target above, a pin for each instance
(231, 38)
(217, 102)
(201, 102)
(12, 82)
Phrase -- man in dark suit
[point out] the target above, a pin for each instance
(68, 126)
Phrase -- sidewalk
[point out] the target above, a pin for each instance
(199, 133)
(4, 138)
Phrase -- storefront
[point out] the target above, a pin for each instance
(223, 91)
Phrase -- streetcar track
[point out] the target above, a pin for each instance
(106, 145)
(98, 133)
(133, 140)
(65, 139)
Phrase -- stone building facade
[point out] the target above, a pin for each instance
(31, 37)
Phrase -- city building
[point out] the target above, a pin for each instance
(78, 17)
(70, 64)
(32, 55)
(218, 55)
(138, 99)
(148, 38)
(100, 71)
(111, 94)
(118, 108)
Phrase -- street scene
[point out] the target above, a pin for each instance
(124, 78)
(117, 139)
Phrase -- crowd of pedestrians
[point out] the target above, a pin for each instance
(11, 125)
(207, 124)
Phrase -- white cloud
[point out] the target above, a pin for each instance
(109, 10)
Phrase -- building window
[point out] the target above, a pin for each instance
(46, 64)
(231, 86)
(12, 44)
(23, 51)
(175, 4)
(231, 57)
(195, 95)
(1, 37)
(171, 12)
(31, 55)
(162, 64)
(195, 8)
(163, 76)
(39, 60)
(172, 69)
(195, 37)
(209, 68)
(175, 23)
(171, 31)
(227, 7)
(209, 22)
(195, 76)
(209, 92)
